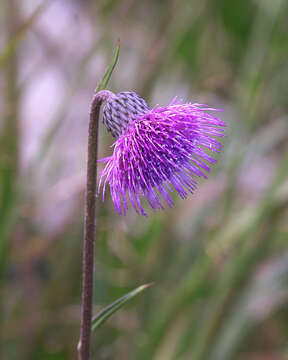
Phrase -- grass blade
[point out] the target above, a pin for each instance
(103, 83)
(109, 310)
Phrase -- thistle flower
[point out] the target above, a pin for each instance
(156, 150)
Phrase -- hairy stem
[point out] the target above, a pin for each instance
(90, 226)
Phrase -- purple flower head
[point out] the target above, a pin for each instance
(156, 150)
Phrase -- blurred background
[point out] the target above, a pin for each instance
(218, 260)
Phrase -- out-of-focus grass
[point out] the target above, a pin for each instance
(218, 259)
(9, 139)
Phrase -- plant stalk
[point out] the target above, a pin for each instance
(84, 344)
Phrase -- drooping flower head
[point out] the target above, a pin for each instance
(157, 150)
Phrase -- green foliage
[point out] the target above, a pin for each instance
(104, 81)
(219, 258)
(109, 310)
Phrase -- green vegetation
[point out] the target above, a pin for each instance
(218, 260)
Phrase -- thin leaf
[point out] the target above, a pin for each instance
(104, 314)
(103, 83)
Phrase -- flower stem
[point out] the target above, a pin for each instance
(90, 226)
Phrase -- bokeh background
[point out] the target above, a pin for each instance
(218, 260)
